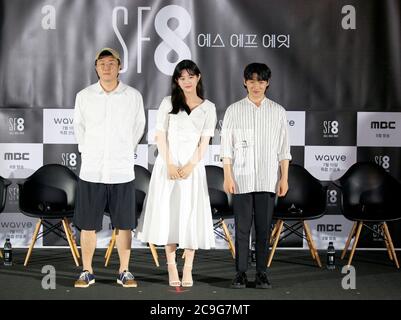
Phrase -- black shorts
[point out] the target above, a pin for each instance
(94, 199)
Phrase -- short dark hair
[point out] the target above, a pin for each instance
(261, 70)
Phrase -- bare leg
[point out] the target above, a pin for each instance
(88, 246)
(123, 241)
(187, 270)
(173, 277)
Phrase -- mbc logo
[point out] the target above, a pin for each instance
(382, 125)
(331, 157)
(329, 227)
(16, 156)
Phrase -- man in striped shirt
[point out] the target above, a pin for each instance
(255, 151)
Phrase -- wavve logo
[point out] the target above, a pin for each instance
(331, 157)
(15, 225)
(63, 120)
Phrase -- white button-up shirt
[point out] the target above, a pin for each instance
(108, 127)
(256, 140)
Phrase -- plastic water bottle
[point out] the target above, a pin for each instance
(253, 254)
(331, 256)
(8, 253)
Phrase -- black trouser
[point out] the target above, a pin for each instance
(247, 205)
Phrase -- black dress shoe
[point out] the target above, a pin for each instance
(261, 281)
(240, 281)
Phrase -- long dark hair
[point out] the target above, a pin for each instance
(177, 95)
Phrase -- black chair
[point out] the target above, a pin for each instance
(369, 195)
(142, 179)
(4, 183)
(221, 204)
(49, 194)
(305, 200)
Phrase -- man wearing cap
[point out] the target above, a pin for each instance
(109, 121)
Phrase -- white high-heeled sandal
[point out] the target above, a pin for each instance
(187, 283)
(173, 283)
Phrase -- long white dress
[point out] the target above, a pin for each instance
(178, 211)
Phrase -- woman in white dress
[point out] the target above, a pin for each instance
(177, 207)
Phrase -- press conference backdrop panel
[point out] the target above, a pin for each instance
(336, 68)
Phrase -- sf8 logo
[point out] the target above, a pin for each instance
(172, 24)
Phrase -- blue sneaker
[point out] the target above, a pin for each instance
(85, 280)
(127, 279)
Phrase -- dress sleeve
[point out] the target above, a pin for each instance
(210, 122)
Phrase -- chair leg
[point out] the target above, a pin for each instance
(228, 237)
(70, 242)
(390, 242)
(34, 236)
(358, 233)
(111, 247)
(154, 254)
(72, 237)
(74, 241)
(308, 240)
(390, 254)
(110, 243)
(278, 233)
(312, 244)
(273, 234)
(108, 246)
(349, 240)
